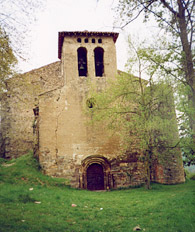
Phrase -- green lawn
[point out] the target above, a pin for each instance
(48, 207)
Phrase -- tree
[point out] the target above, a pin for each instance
(16, 18)
(177, 18)
(7, 60)
(141, 112)
(186, 142)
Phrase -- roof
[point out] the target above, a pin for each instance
(63, 34)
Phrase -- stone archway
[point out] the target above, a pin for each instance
(95, 173)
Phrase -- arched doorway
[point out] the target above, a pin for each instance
(95, 177)
(95, 173)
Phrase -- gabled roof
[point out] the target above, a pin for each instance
(63, 34)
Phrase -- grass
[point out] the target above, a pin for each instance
(48, 206)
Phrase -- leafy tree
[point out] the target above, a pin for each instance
(7, 60)
(7, 63)
(161, 61)
(186, 142)
(141, 112)
(15, 19)
(177, 19)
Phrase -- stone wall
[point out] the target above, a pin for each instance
(17, 107)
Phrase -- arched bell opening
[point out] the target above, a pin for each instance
(95, 173)
(82, 61)
(99, 61)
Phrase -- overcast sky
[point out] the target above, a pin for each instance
(73, 15)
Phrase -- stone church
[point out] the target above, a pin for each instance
(43, 111)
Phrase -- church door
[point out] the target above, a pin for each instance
(95, 177)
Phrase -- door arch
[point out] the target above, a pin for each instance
(95, 177)
(95, 173)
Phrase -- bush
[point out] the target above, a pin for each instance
(192, 177)
(187, 174)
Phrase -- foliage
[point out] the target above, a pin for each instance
(143, 116)
(7, 59)
(175, 57)
(163, 65)
(186, 132)
(16, 18)
(190, 173)
(187, 150)
(141, 112)
(164, 208)
(126, 109)
(165, 13)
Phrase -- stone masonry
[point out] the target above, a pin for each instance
(43, 110)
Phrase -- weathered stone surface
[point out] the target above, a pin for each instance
(17, 117)
(43, 110)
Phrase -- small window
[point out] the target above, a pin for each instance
(93, 40)
(99, 61)
(82, 61)
(79, 40)
(90, 103)
(86, 40)
(36, 111)
(99, 40)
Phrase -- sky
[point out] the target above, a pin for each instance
(76, 15)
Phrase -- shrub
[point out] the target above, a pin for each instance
(192, 177)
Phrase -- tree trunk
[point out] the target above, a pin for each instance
(147, 171)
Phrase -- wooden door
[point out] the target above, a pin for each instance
(95, 177)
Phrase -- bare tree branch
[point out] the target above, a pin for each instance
(166, 4)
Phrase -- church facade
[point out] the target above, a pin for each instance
(43, 110)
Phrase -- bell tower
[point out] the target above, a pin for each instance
(75, 148)
(87, 55)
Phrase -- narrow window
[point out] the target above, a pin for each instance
(100, 41)
(86, 40)
(90, 103)
(82, 61)
(99, 61)
(79, 40)
(36, 111)
(93, 40)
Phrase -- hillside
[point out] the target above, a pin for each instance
(31, 201)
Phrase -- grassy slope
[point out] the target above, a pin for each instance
(164, 208)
